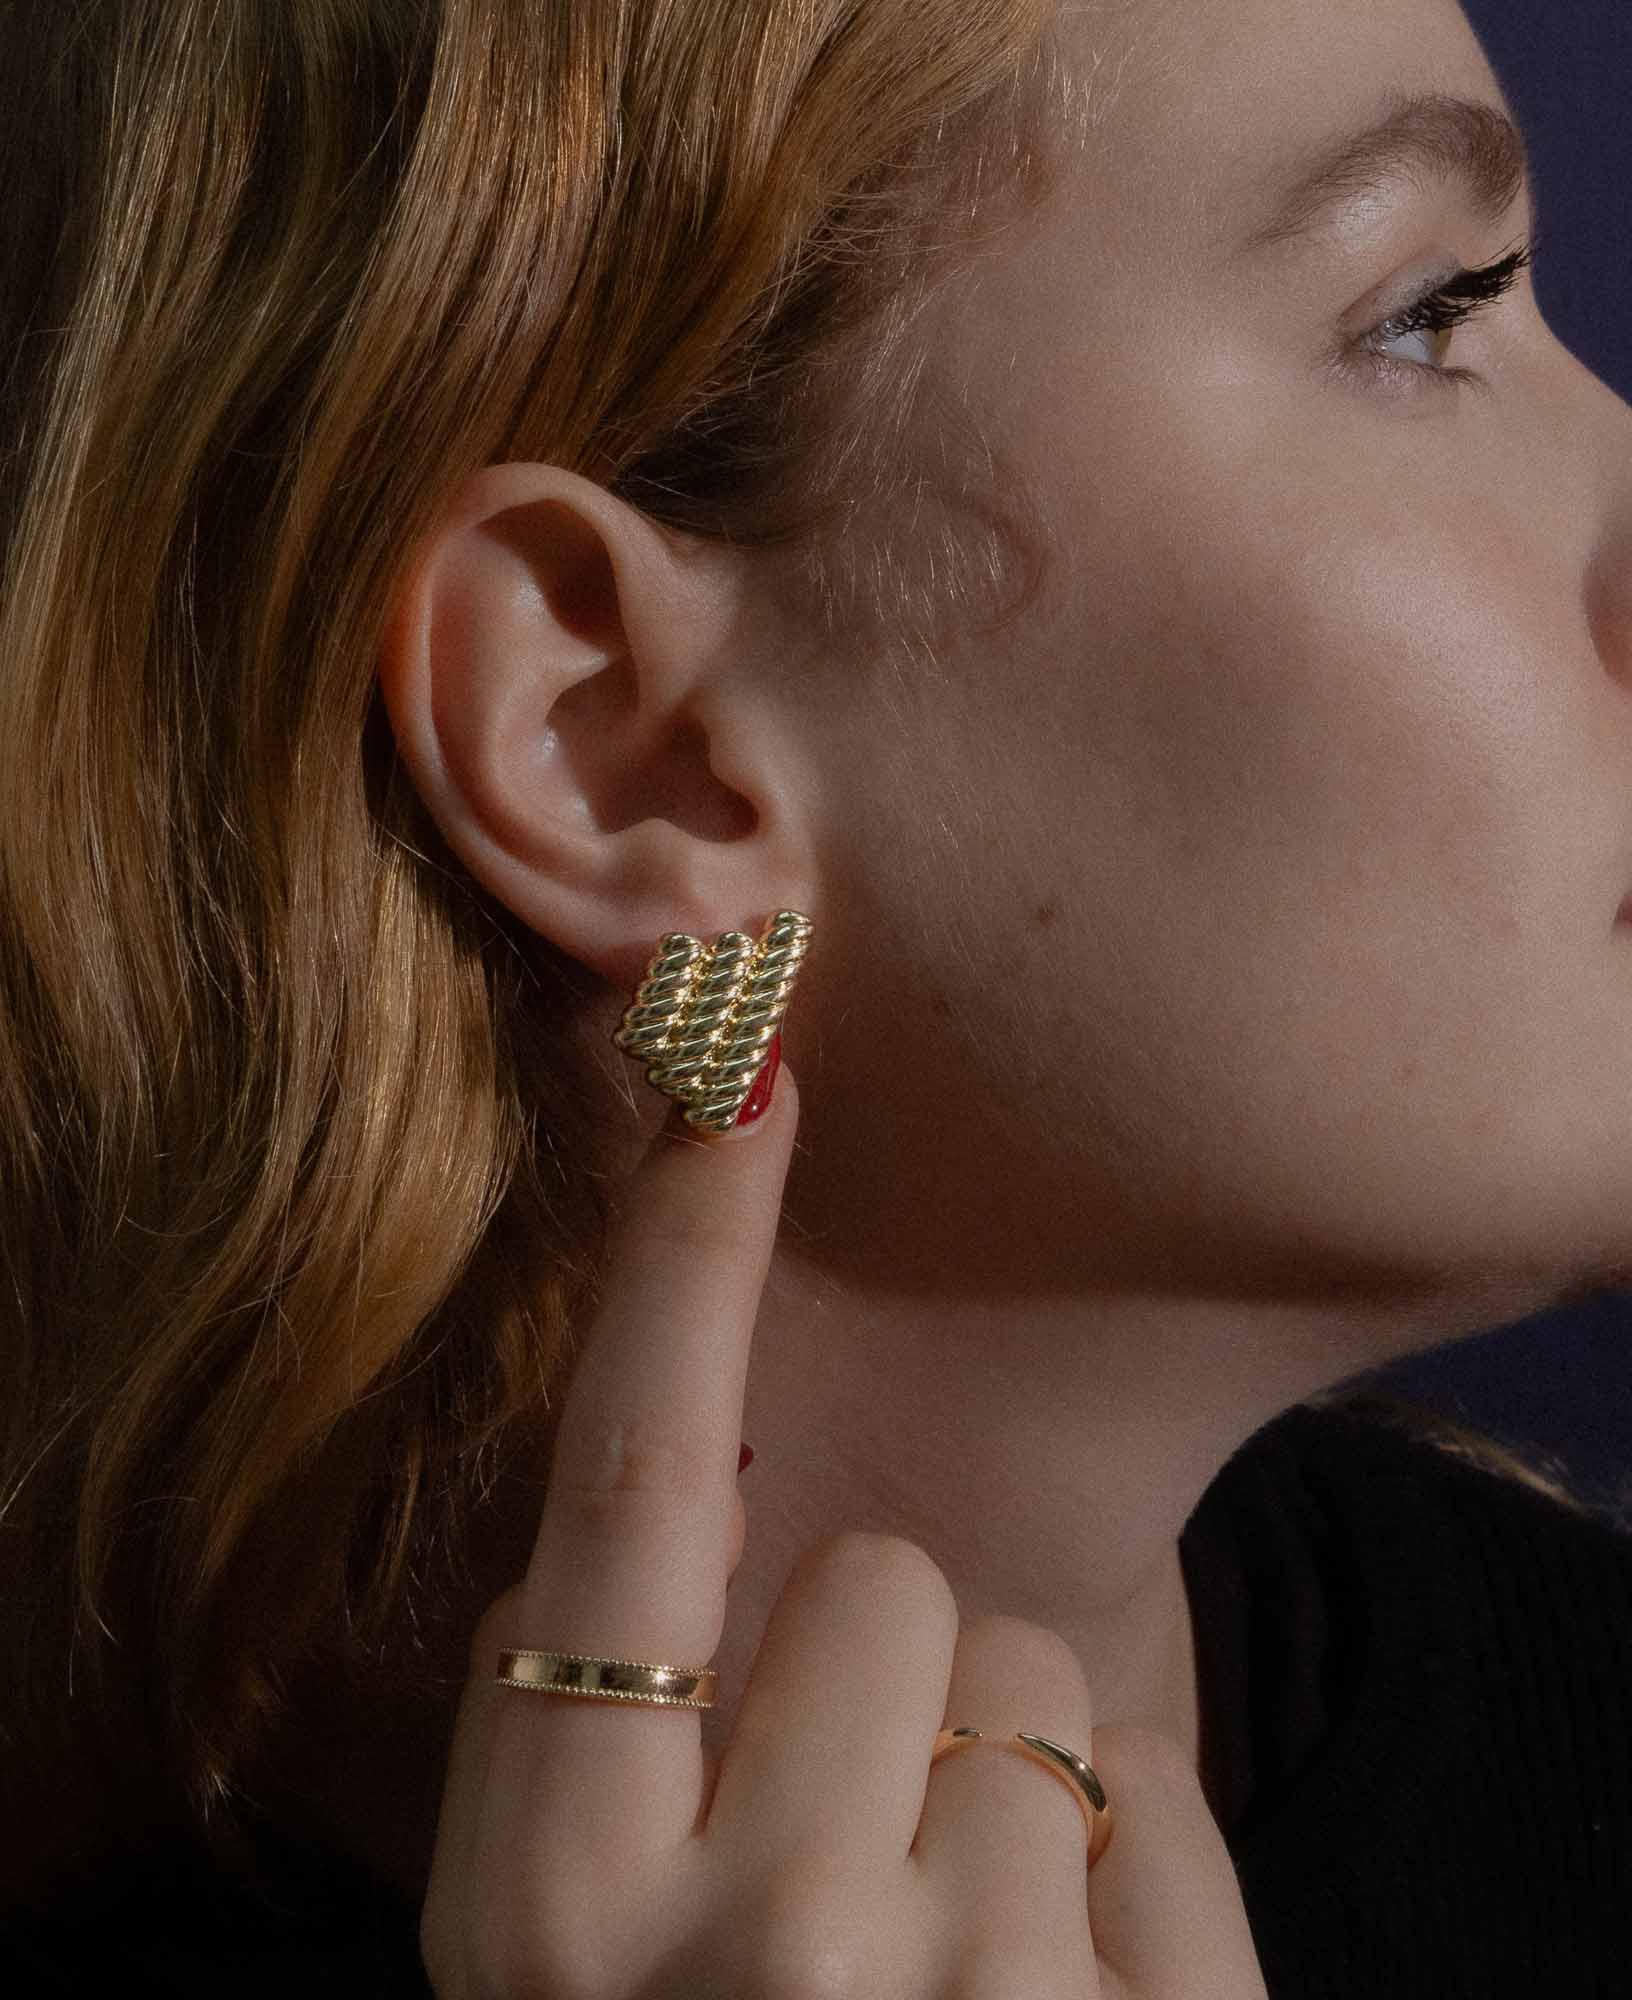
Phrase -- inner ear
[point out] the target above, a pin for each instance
(624, 774)
(577, 580)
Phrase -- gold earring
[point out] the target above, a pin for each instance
(705, 1016)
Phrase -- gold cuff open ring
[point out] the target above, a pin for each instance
(1066, 1765)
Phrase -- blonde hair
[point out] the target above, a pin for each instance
(297, 1190)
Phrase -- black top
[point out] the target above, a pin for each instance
(1415, 1681)
(1417, 1677)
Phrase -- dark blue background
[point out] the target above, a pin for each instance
(1562, 1381)
(1566, 66)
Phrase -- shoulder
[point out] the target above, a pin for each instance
(1484, 1642)
(1521, 1594)
(1511, 1601)
(1347, 1447)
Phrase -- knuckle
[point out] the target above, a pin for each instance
(1039, 1646)
(1144, 1756)
(601, 1526)
(507, 1962)
(1018, 1969)
(867, 1561)
(601, 1467)
(802, 1939)
(533, 1931)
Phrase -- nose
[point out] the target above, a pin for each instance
(1602, 422)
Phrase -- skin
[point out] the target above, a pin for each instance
(1216, 988)
(585, 1851)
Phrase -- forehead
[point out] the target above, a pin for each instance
(1190, 115)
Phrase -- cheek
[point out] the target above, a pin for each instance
(1260, 718)
(1299, 794)
(1371, 714)
(1325, 717)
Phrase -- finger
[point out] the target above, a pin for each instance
(1001, 1841)
(470, 1753)
(635, 1540)
(1163, 1899)
(831, 1738)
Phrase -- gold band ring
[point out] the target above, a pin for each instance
(1066, 1765)
(608, 1680)
(589, 1678)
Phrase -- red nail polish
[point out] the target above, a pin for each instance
(745, 1458)
(760, 1096)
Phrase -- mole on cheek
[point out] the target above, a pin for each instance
(1046, 913)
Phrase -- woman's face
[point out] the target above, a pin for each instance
(1246, 914)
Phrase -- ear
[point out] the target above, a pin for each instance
(572, 690)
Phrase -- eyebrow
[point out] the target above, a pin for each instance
(1421, 140)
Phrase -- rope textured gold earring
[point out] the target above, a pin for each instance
(705, 1016)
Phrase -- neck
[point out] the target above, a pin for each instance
(1044, 1451)
(1046, 1458)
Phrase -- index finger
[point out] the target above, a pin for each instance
(633, 1552)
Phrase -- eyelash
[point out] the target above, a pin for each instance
(1454, 303)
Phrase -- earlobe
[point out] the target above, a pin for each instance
(566, 690)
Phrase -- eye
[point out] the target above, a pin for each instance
(1429, 322)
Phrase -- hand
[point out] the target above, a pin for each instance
(587, 1851)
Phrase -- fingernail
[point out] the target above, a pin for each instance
(759, 1097)
(745, 1458)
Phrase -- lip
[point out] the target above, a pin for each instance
(1624, 914)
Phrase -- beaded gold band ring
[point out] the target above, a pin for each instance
(704, 1017)
(1066, 1765)
(608, 1680)
(590, 1678)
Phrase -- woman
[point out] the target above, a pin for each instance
(1078, 505)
